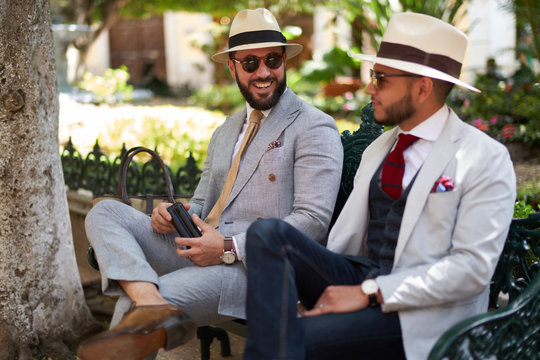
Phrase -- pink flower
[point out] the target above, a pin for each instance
(349, 95)
(481, 124)
(347, 107)
(508, 130)
(467, 103)
(494, 120)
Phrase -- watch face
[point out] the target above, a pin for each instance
(370, 286)
(228, 257)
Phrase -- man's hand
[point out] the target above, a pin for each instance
(205, 250)
(161, 219)
(339, 299)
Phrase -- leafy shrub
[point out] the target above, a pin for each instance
(336, 62)
(522, 209)
(226, 98)
(506, 109)
(529, 193)
(174, 132)
(110, 88)
(346, 106)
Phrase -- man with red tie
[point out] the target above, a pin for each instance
(417, 242)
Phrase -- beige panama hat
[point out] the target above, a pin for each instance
(255, 29)
(423, 45)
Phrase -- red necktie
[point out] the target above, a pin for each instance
(394, 167)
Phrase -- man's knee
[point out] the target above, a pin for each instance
(100, 210)
(266, 233)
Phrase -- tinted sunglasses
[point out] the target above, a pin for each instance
(251, 62)
(377, 77)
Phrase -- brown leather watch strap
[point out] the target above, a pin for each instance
(228, 243)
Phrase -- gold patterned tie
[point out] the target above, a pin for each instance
(215, 213)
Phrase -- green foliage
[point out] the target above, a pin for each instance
(371, 17)
(506, 109)
(70, 10)
(110, 88)
(309, 82)
(335, 62)
(529, 192)
(528, 25)
(173, 139)
(522, 209)
(226, 98)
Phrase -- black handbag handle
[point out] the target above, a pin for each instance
(122, 173)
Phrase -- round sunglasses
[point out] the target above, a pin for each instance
(251, 62)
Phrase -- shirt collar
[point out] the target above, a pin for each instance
(250, 110)
(431, 128)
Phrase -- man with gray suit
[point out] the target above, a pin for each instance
(417, 242)
(277, 158)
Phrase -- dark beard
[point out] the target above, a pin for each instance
(399, 111)
(273, 100)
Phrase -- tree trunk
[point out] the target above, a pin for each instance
(42, 307)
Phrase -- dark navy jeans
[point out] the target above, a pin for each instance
(284, 267)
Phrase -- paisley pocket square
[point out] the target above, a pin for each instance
(443, 184)
(273, 145)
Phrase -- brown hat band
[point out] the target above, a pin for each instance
(411, 54)
(254, 37)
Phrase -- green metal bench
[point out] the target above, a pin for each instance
(509, 331)
(353, 146)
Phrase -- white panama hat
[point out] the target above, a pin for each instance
(423, 45)
(255, 29)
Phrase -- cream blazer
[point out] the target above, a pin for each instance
(449, 242)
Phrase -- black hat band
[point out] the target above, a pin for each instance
(253, 37)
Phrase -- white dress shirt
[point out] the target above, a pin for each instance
(428, 132)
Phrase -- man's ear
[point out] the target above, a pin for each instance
(230, 64)
(424, 89)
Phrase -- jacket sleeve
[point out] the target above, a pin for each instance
(199, 196)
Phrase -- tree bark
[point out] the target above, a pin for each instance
(42, 307)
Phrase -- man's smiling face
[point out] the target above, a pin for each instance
(262, 87)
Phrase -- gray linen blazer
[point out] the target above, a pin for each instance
(296, 181)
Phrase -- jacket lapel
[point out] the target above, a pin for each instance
(441, 154)
(347, 236)
(223, 154)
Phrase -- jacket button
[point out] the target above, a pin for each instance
(272, 177)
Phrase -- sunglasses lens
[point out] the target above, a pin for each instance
(374, 78)
(250, 64)
(273, 61)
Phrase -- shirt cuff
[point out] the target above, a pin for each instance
(236, 249)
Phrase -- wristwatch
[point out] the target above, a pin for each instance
(229, 256)
(371, 288)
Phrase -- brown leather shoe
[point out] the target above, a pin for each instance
(142, 331)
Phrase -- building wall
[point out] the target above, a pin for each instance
(492, 33)
(98, 59)
(186, 63)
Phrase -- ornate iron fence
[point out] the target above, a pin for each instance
(98, 173)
